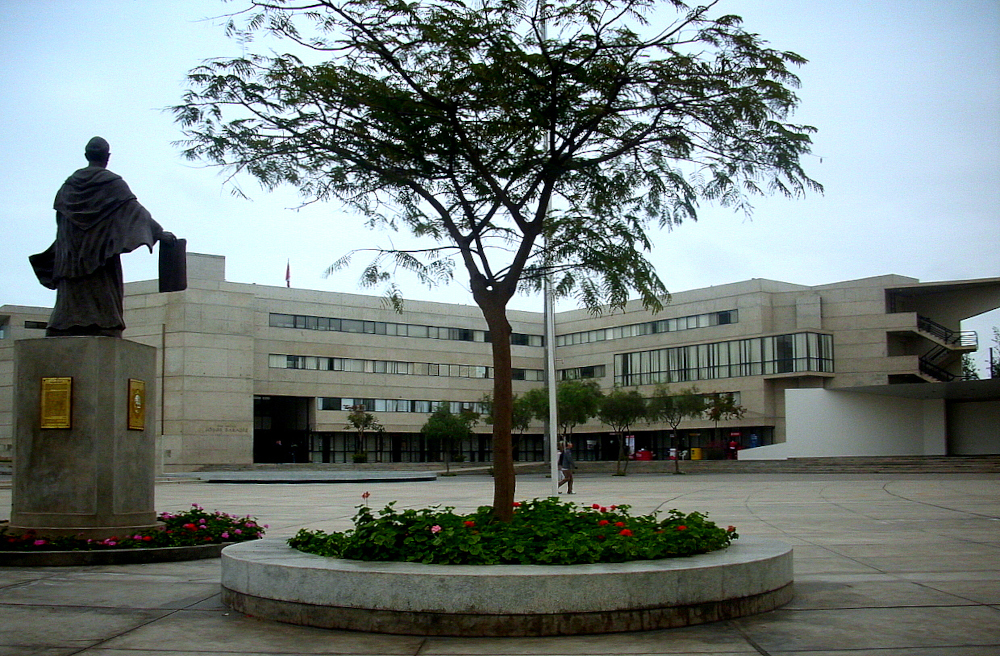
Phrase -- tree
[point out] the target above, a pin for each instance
(995, 359)
(449, 429)
(722, 406)
(520, 139)
(673, 408)
(620, 410)
(363, 421)
(576, 402)
(970, 371)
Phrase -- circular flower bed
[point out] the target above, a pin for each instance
(194, 527)
(543, 532)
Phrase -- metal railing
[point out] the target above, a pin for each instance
(961, 338)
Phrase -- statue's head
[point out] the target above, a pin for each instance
(98, 151)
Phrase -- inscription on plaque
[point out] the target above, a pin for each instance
(57, 402)
(136, 404)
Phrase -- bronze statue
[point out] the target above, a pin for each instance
(97, 219)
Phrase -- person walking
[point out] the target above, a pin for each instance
(566, 465)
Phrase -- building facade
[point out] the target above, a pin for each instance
(251, 373)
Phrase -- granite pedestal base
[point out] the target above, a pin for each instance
(96, 477)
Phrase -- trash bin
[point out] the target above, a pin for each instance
(695, 453)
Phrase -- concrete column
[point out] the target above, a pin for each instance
(96, 478)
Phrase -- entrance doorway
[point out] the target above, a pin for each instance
(281, 428)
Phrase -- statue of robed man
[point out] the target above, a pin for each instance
(97, 219)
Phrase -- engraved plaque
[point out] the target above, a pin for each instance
(57, 402)
(136, 404)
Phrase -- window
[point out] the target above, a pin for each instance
(36, 325)
(797, 352)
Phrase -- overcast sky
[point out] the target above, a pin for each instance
(905, 94)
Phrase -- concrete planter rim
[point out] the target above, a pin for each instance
(269, 579)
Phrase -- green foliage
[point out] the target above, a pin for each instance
(542, 532)
(517, 140)
(576, 402)
(460, 123)
(621, 410)
(449, 429)
(675, 407)
(192, 527)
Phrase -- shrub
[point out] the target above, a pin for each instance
(542, 532)
(192, 527)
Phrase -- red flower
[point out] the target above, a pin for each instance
(682, 528)
(626, 532)
(191, 527)
(469, 523)
(619, 524)
(147, 538)
(516, 504)
(614, 507)
(600, 537)
(731, 529)
(603, 522)
(603, 509)
(596, 506)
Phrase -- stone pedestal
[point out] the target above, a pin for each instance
(94, 478)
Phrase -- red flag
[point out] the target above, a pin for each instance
(288, 274)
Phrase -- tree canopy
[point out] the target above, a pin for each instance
(521, 139)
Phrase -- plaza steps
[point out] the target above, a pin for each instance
(989, 464)
(845, 465)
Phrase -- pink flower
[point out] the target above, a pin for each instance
(225, 536)
(201, 521)
(238, 532)
(435, 529)
(39, 543)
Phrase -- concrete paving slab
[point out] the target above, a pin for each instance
(869, 629)
(855, 600)
(212, 632)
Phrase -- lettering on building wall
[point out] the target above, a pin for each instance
(227, 429)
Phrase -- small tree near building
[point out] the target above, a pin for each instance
(673, 408)
(364, 422)
(620, 410)
(449, 429)
(722, 407)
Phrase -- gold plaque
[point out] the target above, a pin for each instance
(57, 402)
(136, 404)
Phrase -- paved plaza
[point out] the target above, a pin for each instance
(884, 564)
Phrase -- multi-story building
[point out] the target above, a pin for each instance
(251, 373)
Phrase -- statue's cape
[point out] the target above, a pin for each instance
(97, 218)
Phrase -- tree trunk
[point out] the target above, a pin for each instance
(503, 407)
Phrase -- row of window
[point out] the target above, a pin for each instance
(399, 405)
(306, 322)
(650, 328)
(797, 352)
(277, 361)
(576, 373)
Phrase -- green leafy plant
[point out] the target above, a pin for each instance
(193, 527)
(542, 532)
